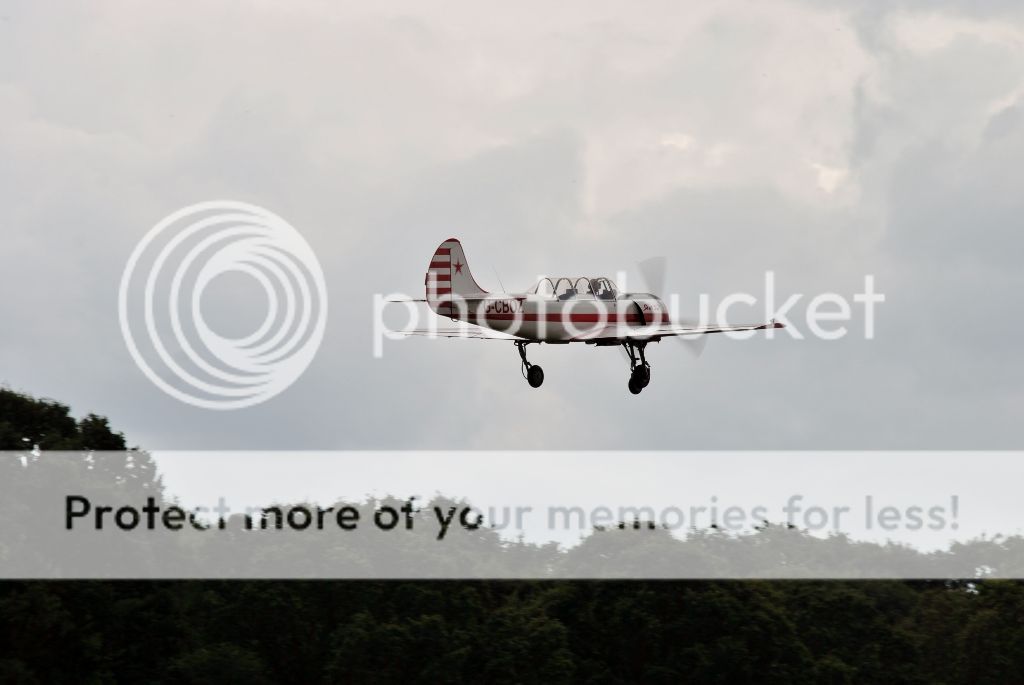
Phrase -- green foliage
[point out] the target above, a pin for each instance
(26, 421)
(219, 663)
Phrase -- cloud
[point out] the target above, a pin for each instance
(829, 178)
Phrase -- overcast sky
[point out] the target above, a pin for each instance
(823, 141)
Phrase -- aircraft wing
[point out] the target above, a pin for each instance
(624, 333)
(467, 331)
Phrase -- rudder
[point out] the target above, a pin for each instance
(448, 276)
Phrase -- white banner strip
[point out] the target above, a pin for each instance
(500, 514)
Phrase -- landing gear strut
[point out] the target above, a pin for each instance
(639, 369)
(533, 374)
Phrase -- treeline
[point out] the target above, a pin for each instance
(501, 632)
(948, 631)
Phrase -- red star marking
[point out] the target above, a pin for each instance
(458, 268)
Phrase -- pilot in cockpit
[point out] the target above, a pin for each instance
(602, 289)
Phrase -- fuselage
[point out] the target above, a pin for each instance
(557, 309)
(550, 319)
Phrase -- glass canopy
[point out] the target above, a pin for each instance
(577, 287)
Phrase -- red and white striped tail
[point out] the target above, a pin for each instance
(448, 275)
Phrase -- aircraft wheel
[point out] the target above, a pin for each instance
(635, 387)
(535, 376)
(641, 376)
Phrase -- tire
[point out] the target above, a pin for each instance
(642, 376)
(535, 376)
(634, 387)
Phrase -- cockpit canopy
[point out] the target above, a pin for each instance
(577, 287)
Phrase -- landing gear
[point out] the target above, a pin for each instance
(533, 374)
(639, 369)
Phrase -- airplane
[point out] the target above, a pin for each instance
(557, 311)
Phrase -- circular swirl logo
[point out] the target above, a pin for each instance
(161, 314)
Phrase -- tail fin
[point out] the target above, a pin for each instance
(448, 275)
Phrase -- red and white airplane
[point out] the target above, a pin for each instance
(556, 311)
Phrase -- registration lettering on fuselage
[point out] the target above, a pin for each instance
(504, 307)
